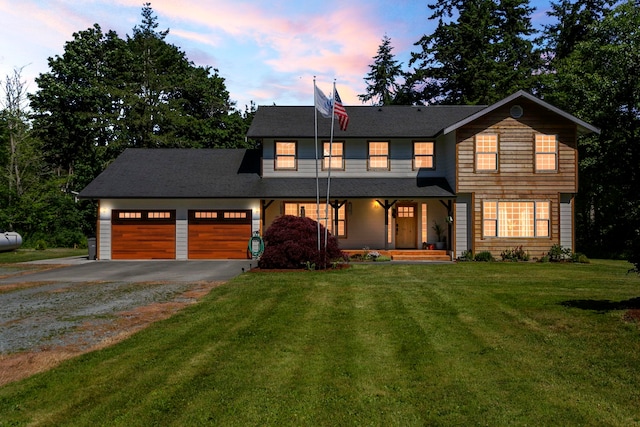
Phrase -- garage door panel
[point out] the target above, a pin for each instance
(219, 241)
(143, 241)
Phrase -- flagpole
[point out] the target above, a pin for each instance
(315, 116)
(326, 207)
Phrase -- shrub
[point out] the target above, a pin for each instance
(40, 245)
(466, 256)
(515, 254)
(484, 256)
(558, 253)
(292, 242)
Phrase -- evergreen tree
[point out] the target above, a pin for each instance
(483, 55)
(599, 80)
(382, 80)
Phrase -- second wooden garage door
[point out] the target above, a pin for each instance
(219, 234)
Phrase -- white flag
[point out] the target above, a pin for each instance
(323, 104)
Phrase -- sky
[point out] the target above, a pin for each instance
(268, 52)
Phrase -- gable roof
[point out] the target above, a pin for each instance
(582, 126)
(394, 121)
(233, 173)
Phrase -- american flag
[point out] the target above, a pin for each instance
(340, 112)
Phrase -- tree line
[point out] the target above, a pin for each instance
(106, 93)
(102, 95)
(586, 62)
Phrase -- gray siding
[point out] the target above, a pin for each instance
(355, 155)
(566, 221)
(182, 239)
(462, 220)
(104, 239)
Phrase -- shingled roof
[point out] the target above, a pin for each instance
(233, 173)
(394, 121)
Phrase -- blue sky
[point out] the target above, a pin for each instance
(268, 51)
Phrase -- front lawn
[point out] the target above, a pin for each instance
(464, 344)
(24, 255)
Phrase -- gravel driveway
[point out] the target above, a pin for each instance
(52, 312)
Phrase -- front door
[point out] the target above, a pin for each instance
(406, 224)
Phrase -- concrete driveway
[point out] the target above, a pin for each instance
(79, 269)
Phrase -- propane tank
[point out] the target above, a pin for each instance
(9, 241)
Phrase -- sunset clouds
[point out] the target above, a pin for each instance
(268, 51)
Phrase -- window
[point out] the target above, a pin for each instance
(286, 156)
(143, 217)
(546, 153)
(516, 219)
(309, 210)
(235, 215)
(487, 152)
(423, 155)
(333, 156)
(159, 215)
(379, 155)
(205, 215)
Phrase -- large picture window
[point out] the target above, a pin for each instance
(423, 155)
(516, 219)
(333, 156)
(309, 210)
(379, 155)
(546, 153)
(285, 158)
(487, 152)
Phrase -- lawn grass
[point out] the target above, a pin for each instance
(464, 344)
(24, 255)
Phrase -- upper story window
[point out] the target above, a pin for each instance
(285, 158)
(546, 148)
(487, 152)
(379, 155)
(333, 156)
(423, 155)
(515, 219)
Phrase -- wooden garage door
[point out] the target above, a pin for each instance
(138, 234)
(219, 234)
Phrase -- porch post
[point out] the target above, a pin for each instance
(449, 228)
(386, 205)
(263, 213)
(336, 205)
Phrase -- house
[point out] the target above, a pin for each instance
(493, 177)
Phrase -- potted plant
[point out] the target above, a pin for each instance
(440, 234)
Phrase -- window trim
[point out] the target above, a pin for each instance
(536, 220)
(387, 156)
(494, 153)
(145, 217)
(431, 156)
(277, 156)
(325, 158)
(220, 216)
(536, 153)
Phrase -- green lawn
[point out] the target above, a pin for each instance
(466, 344)
(24, 255)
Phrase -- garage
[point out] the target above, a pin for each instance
(143, 234)
(219, 234)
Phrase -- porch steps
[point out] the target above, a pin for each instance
(408, 254)
(419, 255)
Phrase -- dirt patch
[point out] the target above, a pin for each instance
(633, 315)
(96, 330)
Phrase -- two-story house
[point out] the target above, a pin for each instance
(493, 177)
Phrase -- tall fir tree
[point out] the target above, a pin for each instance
(599, 80)
(481, 56)
(382, 79)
